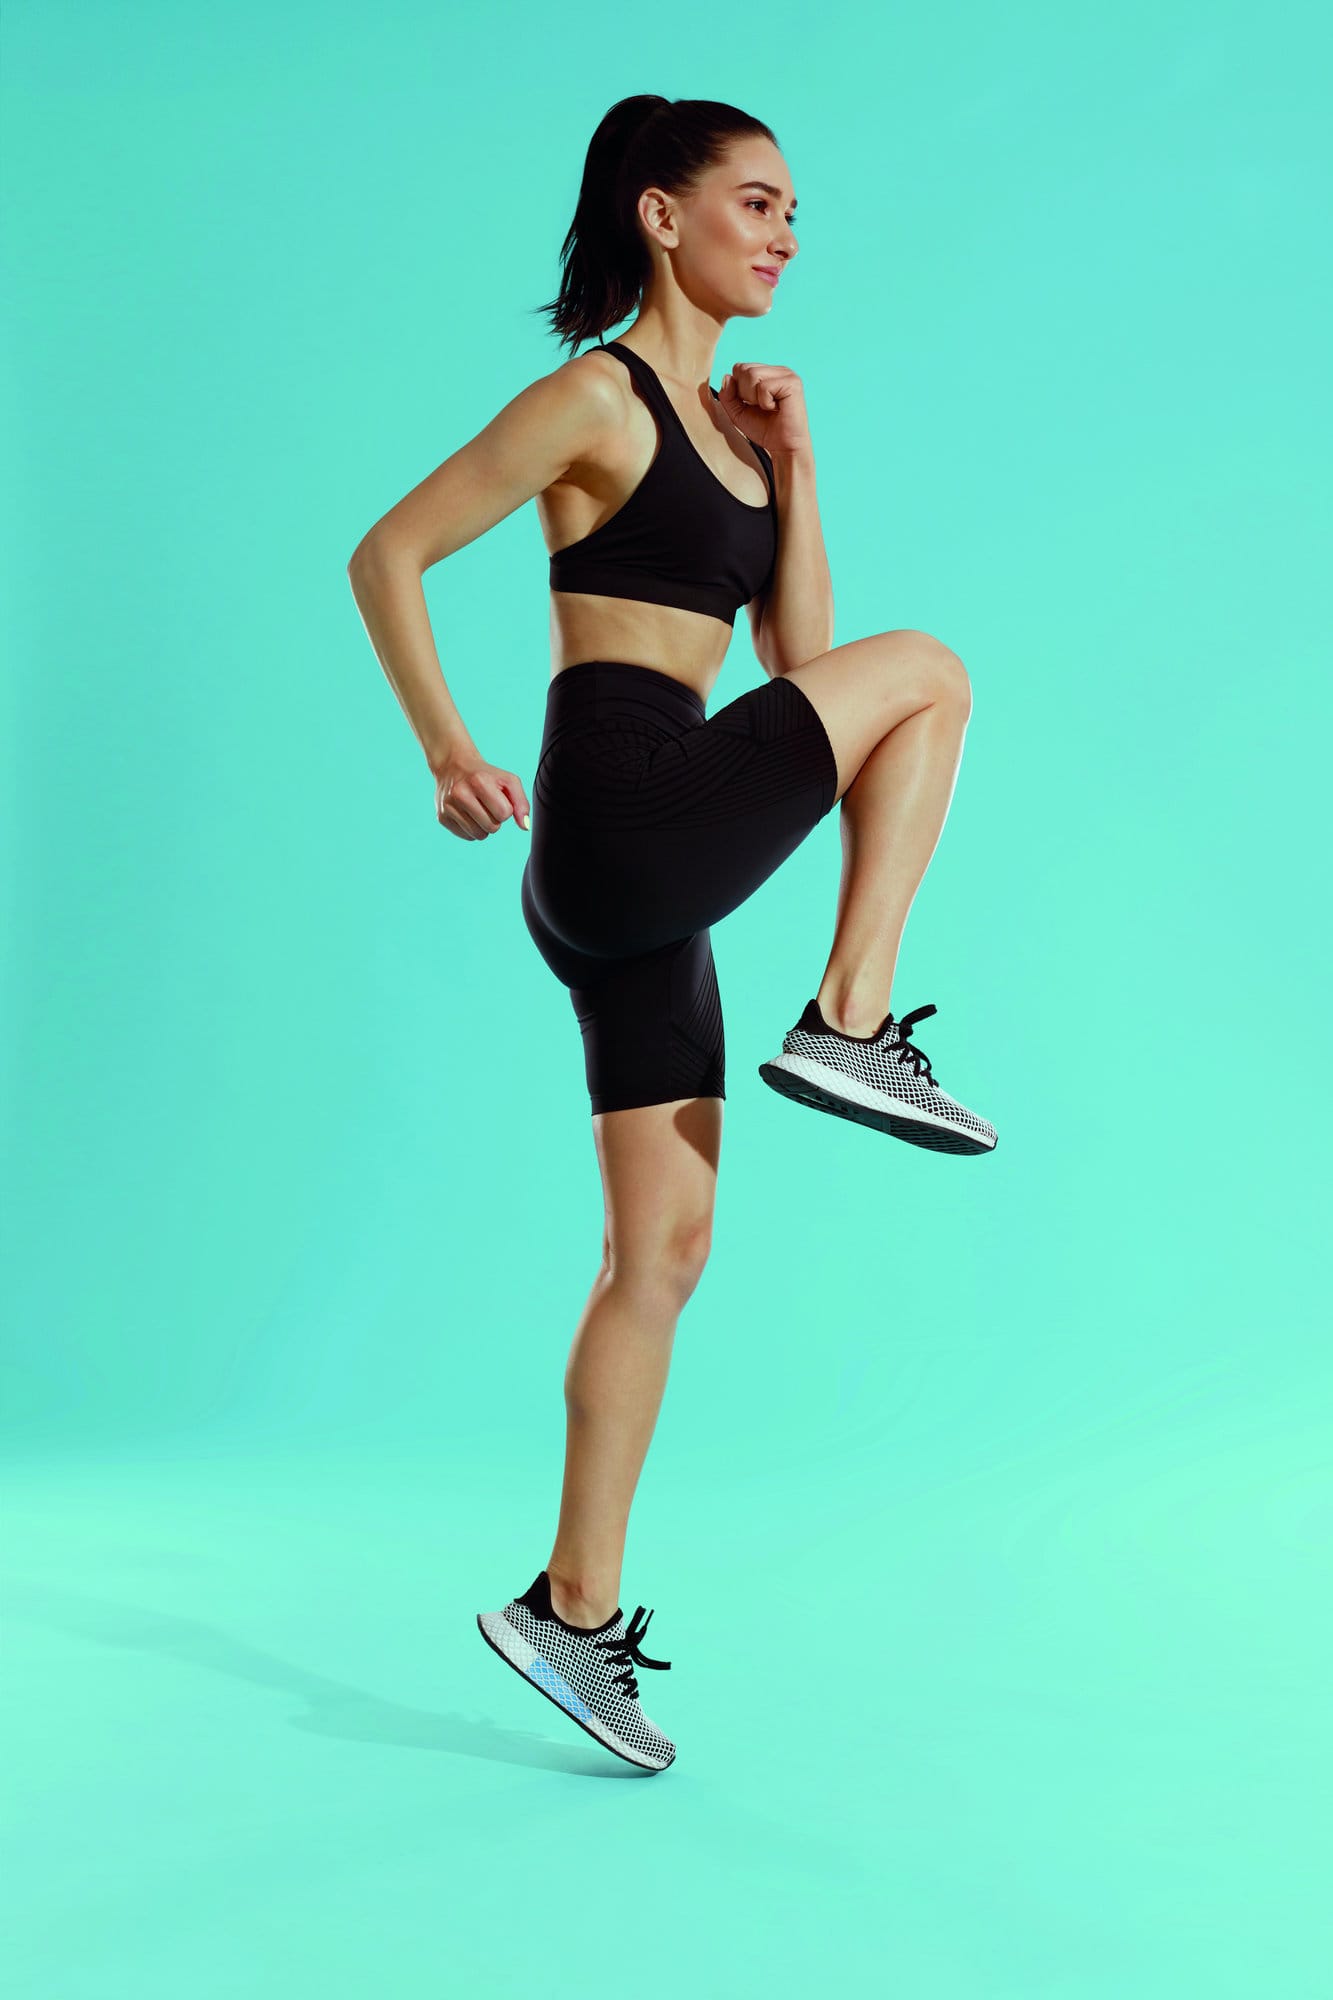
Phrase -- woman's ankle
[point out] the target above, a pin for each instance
(854, 1010)
(581, 1600)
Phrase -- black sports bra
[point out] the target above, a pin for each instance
(682, 537)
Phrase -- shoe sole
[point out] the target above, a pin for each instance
(520, 1654)
(805, 1082)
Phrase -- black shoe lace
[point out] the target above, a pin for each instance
(624, 1649)
(907, 1051)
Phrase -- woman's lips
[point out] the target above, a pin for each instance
(772, 276)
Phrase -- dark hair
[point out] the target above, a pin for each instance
(642, 142)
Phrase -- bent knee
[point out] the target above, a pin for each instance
(931, 671)
(948, 677)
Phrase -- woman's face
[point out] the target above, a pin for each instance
(736, 223)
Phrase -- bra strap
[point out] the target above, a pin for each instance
(643, 374)
(646, 376)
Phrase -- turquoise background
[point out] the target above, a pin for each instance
(987, 1519)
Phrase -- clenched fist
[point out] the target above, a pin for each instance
(474, 798)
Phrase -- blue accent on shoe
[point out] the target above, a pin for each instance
(545, 1675)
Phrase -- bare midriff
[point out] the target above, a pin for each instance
(685, 644)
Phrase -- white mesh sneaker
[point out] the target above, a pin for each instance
(882, 1080)
(587, 1672)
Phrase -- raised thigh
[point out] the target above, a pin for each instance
(632, 852)
(866, 688)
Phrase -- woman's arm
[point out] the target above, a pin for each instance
(386, 583)
(793, 620)
(561, 418)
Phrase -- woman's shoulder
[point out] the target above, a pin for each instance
(595, 377)
(587, 398)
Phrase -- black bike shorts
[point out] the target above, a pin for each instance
(652, 820)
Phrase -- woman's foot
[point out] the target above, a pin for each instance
(882, 1079)
(589, 1672)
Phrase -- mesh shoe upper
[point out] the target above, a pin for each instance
(887, 1061)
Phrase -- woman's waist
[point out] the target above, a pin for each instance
(684, 644)
(591, 691)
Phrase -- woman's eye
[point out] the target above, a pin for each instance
(757, 201)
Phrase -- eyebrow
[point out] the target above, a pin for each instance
(775, 192)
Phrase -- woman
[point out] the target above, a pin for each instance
(666, 505)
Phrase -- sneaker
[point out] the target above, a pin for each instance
(882, 1080)
(589, 1672)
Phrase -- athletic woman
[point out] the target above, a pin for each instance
(666, 505)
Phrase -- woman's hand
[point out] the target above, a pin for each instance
(767, 403)
(474, 798)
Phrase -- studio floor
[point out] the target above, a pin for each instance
(1054, 1730)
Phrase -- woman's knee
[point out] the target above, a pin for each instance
(686, 1254)
(956, 685)
(659, 1175)
(670, 1260)
(941, 676)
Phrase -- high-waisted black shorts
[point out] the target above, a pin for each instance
(651, 820)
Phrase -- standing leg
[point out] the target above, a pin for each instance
(659, 1175)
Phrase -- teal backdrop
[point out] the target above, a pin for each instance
(987, 1519)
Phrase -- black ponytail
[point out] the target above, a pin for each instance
(642, 142)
